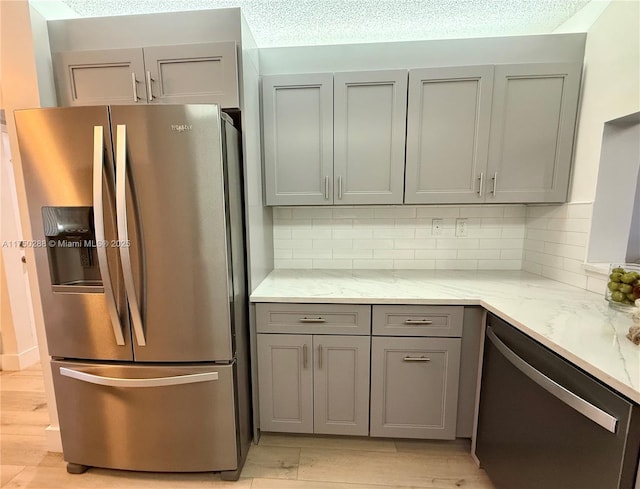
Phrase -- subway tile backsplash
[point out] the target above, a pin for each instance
(547, 240)
(399, 237)
(555, 245)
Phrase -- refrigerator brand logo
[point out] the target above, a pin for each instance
(181, 127)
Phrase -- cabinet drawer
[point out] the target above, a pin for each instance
(313, 318)
(418, 320)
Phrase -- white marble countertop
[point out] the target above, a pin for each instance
(575, 323)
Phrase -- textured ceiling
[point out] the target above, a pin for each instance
(309, 22)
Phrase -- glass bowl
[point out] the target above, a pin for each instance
(623, 285)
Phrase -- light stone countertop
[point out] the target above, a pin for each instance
(575, 323)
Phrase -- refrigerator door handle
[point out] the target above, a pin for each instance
(135, 383)
(123, 232)
(98, 219)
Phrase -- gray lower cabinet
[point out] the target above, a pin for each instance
(334, 138)
(314, 383)
(285, 381)
(414, 387)
(341, 385)
(180, 74)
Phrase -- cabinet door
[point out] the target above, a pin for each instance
(448, 121)
(414, 387)
(370, 111)
(285, 382)
(532, 132)
(193, 73)
(341, 385)
(110, 76)
(298, 139)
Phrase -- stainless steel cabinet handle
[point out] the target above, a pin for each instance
(340, 187)
(152, 382)
(134, 82)
(305, 356)
(98, 219)
(481, 178)
(585, 408)
(123, 232)
(326, 187)
(312, 320)
(319, 356)
(416, 359)
(149, 87)
(418, 321)
(495, 183)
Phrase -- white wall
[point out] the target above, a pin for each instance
(18, 55)
(611, 88)
(128, 31)
(259, 218)
(422, 54)
(556, 236)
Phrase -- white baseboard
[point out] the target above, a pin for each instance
(52, 435)
(20, 361)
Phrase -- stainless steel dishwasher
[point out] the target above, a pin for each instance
(545, 424)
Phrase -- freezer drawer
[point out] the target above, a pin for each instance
(147, 417)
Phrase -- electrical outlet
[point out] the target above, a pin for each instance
(461, 227)
(436, 227)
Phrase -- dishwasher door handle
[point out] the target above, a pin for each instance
(585, 408)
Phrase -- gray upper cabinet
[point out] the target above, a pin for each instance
(448, 120)
(188, 73)
(369, 137)
(111, 76)
(334, 139)
(193, 73)
(298, 139)
(532, 132)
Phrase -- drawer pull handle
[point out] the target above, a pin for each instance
(312, 320)
(416, 359)
(418, 321)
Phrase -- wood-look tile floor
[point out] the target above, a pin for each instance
(278, 462)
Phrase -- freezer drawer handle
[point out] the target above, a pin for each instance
(418, 321)
(416, 359)
(153, 382)
(98, 219)
(123, 232)
(585, 408)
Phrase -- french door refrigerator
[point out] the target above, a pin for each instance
(137, 222)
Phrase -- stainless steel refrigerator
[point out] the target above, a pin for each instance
(137, 223)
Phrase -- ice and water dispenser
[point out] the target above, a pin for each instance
(71, 247)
